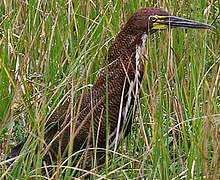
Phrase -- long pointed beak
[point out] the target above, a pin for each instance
(174, 21)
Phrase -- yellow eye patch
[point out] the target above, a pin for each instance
(156, 23)
(158, 26)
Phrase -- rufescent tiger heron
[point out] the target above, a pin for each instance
(105, 113)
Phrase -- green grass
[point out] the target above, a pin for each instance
(50, 47)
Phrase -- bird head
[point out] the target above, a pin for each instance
(150, 20)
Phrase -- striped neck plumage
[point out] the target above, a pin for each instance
(130, 97)
(125, 44)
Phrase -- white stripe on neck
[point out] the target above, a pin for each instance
(133, 88)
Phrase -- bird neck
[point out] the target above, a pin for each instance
(127, 47)
(124, 77)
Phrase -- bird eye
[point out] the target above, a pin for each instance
(152, 18)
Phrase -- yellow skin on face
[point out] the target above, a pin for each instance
(158, 20)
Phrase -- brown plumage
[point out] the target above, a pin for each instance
(116, 91)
